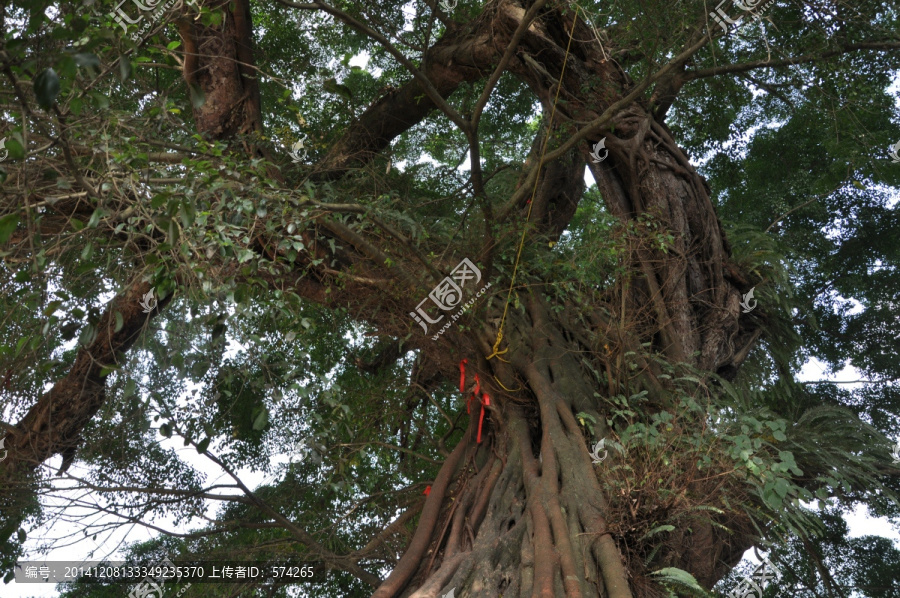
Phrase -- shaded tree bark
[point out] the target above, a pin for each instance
(219, 63)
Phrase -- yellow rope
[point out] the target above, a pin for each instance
(504, 387)
(497, 352)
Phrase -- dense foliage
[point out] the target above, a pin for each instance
(246, 369)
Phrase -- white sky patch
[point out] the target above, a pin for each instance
(362, 61)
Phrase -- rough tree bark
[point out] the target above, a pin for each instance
(219, 61)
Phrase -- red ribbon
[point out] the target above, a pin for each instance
(484, 399)
(462, 375)
(474, 394)
(487, 401)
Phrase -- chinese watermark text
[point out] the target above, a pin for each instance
(448, 294)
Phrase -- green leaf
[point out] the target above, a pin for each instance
(771, 498)
(678, 576)
(21, 535)
(130, 388)
(52, 307)
(87, 60)
(108, 369)
(101, 99)
(16, 151)
(46, 88)
(586, 416)
(188, 214)
(8, 225)
(173, 45)
(218, 330)
(261, 420)
(124, 69)
(158, 200)
(95, 218)
(67, 332)
(199, 368)
(658, 529)
(120, 321)
(331, 85)
(782, 487)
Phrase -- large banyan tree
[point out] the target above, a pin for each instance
(366, 236)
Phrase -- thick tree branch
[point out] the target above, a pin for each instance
(419, 76)
(805, 58)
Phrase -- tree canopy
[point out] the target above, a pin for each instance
(225, 225)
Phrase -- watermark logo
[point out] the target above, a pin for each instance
(148, 302)
(756, 582)
(895, 453)
(754, 7)
(895, 154)
(121, 17)
(600, 446)
(448, 6)
(448, 294)
(5, 452)
(149, 588)
(296, 149)
(747, 6)
(300, 448)
(595, 153)
(3, 151)
(745, 303)
(123, 20)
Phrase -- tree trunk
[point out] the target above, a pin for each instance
(526, 512)
(219, 67)
(523, 513)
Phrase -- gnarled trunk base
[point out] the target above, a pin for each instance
(526, 512)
